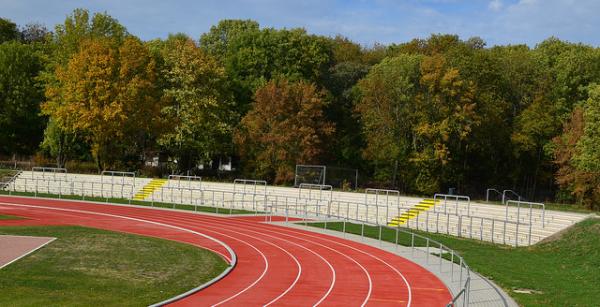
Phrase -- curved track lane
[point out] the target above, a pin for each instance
(276, 265)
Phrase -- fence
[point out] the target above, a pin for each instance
(111, 175)
(185, 180)
(252, 195)
(456, 198)
(518, 203)
(431, 246)
(321, 191)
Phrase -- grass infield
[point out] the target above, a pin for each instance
(92, 267)
(562, 272)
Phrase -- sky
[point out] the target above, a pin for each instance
(498, 22)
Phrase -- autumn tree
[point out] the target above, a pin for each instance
(286, 126)
(107, 95)
(66, 40)
(199, 111)
(577, 154)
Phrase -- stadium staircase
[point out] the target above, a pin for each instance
(422, 206)
(149, 188)
(5, 181)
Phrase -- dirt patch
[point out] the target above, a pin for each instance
(13, 248)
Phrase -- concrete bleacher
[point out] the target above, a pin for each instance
(475, 220)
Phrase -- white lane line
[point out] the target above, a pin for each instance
(409, 301)
(193, 223)
(289, 254)
(232, 260)
(229, 258)
(257, 226)
(303, 232)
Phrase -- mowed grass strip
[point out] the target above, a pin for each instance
(10, 217)
(92, 267)
(561, 272)
(207, 209)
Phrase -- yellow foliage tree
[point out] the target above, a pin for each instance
(106, 94)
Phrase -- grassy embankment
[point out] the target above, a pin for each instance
(562, 272)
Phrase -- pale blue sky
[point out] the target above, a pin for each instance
(367, 22)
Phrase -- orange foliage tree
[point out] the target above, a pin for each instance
(285, 127)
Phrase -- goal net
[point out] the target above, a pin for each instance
(310, 174)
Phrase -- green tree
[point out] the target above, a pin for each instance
(8, 31)
(588, 147)
(199, 113)
(252, 56)
(285, 127)
(387, 110)
(20, 97)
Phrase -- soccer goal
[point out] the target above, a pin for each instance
(338, 177)
(310, 174)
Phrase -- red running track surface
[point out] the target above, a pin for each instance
(276, 265)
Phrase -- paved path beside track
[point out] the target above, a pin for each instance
(276, 265)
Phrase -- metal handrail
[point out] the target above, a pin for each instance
(487, 193)
(299, 205)
(531, 205)
(456, 198)
(463, 292)
(512, 192)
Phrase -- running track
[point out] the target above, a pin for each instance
(276, 265)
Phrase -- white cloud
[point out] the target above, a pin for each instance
(496, 5)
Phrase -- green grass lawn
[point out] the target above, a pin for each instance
(92, 267)
(208, 209)
(563, 272)
(9, 217)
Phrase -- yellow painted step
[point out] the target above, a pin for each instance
(422, 206)
(149, 188)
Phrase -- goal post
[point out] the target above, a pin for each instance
(311, 174)
(338, 177)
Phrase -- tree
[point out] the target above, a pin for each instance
(199, 111)
(285, 127)
(386, 109)
(107, 95)
(20, 97)
(60, 144)
(446, 109)
(78, 27)
(577, 153)
(217, 42)
(252, 56)
(34, 33)
(8, 31)
(588, 147)
(64, 43)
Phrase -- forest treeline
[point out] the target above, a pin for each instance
(420, 116)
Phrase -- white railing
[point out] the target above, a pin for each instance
(457, 199)
(268, 205)
(519, 204)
